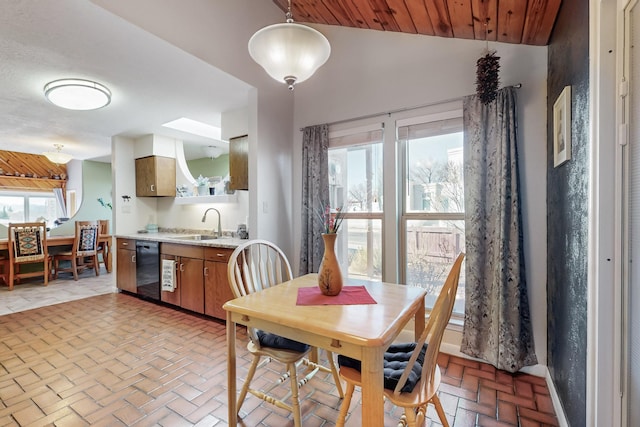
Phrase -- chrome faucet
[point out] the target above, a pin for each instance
(204, 217)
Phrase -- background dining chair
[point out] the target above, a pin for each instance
(4, 264)
(257, 265)
(408, 384)
(83, 253)
(102, 247)
(27, 243)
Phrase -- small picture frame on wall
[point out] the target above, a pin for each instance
(562, 127)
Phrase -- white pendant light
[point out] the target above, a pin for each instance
(58, 157)
(289, 52)
(77, 94)
(212, 151)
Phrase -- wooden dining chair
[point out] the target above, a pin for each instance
(253, 266)
(102, 247)
(83, 253)
(27, 242)
(408, 384)
(4, 264)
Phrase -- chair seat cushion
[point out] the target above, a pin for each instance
(276, 341)
(396, 359)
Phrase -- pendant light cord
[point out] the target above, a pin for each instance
(486, 35)
(289, 15)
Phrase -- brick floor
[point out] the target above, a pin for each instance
(115, 360)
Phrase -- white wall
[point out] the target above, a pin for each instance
(218, 33)
(135, 214)
(368, 72)
(372, 72)
(74, 182)
(128, 216)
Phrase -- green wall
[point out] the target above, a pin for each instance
(96, 183)
(208, 167)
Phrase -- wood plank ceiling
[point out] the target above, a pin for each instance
(510, 21)
(26, 171)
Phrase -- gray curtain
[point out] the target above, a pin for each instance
(315, 194)
(497, 325)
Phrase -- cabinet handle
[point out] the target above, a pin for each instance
(220, 255)
(125, 244)
(133, 259)
(181, 267)
(206, 271)
(153, 187)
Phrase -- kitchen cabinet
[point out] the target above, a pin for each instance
(216, 284)
(239, 163)
(189, 285)
(126, 265)
(155, 176)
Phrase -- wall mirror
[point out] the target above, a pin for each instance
(207, 160)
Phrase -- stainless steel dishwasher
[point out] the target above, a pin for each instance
(148, 269)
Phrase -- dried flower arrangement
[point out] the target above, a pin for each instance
(487, 79)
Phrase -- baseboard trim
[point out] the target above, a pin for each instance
(454, 350)
(536, 370)
(557, 406)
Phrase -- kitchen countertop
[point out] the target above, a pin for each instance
(224, 242)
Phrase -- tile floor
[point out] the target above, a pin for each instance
(34, 294)
(115, 360)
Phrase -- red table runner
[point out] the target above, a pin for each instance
(350, 295)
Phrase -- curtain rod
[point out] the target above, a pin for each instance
(400, 110)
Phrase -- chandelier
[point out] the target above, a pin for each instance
(289, 52)
(58, 157)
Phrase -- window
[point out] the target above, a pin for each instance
(16, 207)
(432, 220)
(404, 192)
(355, 183)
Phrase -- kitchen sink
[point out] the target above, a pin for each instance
(195, 237)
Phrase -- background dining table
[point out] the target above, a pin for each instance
(55, 241)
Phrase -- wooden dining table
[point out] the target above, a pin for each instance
(54, 241)
(362, 331)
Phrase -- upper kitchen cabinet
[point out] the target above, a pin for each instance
(239, 163)
(155, 176)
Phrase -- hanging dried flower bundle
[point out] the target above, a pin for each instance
(488, 68)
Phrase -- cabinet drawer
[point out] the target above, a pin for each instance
(126, 244)
(182, 250)
(217, 254)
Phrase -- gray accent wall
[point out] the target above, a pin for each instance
(567, 213)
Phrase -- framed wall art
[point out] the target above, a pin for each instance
(562, 127)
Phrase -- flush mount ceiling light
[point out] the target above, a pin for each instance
(289, 52)
(58, 157)
(77, 94)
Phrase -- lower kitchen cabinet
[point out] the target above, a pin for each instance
(126, 265)
(189, 286)
(201, 283)
(216, 284)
